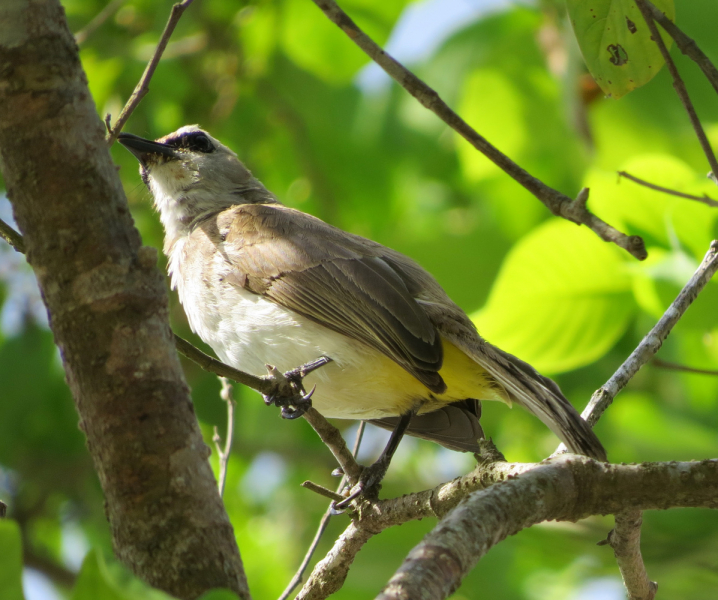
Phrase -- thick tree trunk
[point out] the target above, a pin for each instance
(108, 311)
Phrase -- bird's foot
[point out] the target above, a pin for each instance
(368, 485)
(289, 393)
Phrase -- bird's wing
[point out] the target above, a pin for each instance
(336, 279)
(455, 426)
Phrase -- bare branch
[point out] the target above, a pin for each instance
(664, 364)
(12, 237)
(685, 44)
(704, 199)
(322, 491)
(223, 453)
(650, 344)
(329, 574)
(262, 384)
(143, 85)
(333, 439)
(678, 85)
(109, 10)
(297, 579)
(56, 572)
(566, 488)
(558, 203)
(625, 539)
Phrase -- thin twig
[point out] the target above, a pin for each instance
(57, 573)
(12, 237)
(262, 384)
(109, 10)
(704, 199)
(322, 491)
(143, 85)
(625, 539)
(277, 384)
(678, 85)
(650, 344)
(297, 579)
(686, 45)
(559, 204)
(332, 438)
(664, 364)
(223, 453)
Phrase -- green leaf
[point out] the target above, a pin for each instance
(314, 43)
(496, 107)
(616, 43)
(561, 300)
(650, 432)
(98, 579)
(94, 582)
(11, 562)
(662, 219)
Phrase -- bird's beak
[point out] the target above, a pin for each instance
(142, 149)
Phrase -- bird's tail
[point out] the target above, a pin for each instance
(542, 397)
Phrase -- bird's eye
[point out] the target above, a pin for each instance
(200, 143)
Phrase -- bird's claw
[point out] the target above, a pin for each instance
(290, 394)
(368, 485)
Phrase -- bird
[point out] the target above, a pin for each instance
(265, 284)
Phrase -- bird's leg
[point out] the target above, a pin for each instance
(289, 393)
(372, 476)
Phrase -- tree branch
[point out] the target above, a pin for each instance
(143, 86)
(109, 314)
(329, 574)
(685, 44)
(625, 539)
(664, 364)
(109, 10)
(650, 344)
(296, 580)
(12, 237)
(558, 203)
(704, 199)
(333, 439)
(566, 488)
(223, 453)
(679, 86)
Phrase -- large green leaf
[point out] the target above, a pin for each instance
(10, 561)
(562, 298)
(662, 219)
(98, 579)
(317, 45)
(616, 43)
(93, 581)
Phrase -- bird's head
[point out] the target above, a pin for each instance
(191, 174)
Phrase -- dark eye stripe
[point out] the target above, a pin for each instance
(195, 141)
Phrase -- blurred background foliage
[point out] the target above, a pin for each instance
(330, 135)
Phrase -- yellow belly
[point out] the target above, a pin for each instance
(375, 386)
(464, 378)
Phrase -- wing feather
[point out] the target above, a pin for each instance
(299, 267)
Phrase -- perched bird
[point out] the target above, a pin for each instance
(262, 284)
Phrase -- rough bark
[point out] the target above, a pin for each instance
(567, 488)
(108, 312)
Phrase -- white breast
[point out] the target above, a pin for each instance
(249, 331)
